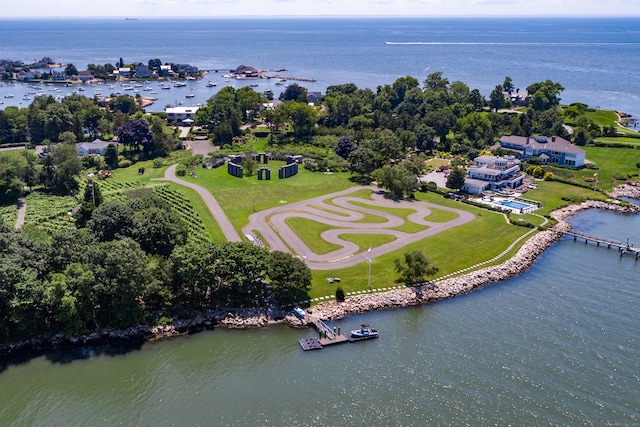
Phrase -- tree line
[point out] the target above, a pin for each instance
(131, 262)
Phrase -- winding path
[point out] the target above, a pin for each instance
(229, 231)
(344, 214)
(22, 210)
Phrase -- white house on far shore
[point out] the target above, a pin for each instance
(493, 173)
(178, 115)
(96, 147)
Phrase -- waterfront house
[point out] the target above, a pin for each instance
(123, 72)
(493, 173)
(518, 97)
(59, 75)
(142, 71)
(28, 75)
(43, 63)
(178, 115)
(96, 147)
(550, 150)
(189, 70)
(85, 75)
(165, 71)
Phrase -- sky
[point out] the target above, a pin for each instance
(266, 8)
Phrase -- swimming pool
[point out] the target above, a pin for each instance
(514, 205)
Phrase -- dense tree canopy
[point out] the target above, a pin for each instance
(135, 133)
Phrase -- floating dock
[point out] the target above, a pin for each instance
(327, 336)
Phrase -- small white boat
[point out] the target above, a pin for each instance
(365, 332)
(211, 84)
(9, 95)
(190, 95)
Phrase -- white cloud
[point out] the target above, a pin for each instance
(203, 8)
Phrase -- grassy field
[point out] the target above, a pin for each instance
(240, 197)
(309, 231)
(613, 165)
(451, 250)
(612, 161)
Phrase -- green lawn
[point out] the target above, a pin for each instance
(130, 174)
(611, 161)
(451, 250)
(309, 232)
(240, 197)
(440, 215)
(550, 194)
(365, 241)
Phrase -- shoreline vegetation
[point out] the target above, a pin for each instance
(427, 293)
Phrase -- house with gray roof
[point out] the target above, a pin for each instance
(493, 173)
(96, 147)
(552, 150)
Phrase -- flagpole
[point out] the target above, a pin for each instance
(369, 275)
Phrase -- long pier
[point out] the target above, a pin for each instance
(623, 248)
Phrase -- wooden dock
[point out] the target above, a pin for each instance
(623, 248)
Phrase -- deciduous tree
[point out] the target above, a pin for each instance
(135, 133)
(416, 267)
(289, 277)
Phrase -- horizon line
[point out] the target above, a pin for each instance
(261, 17)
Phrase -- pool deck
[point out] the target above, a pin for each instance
(495, 202)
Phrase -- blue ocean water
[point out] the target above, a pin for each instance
(595, 59)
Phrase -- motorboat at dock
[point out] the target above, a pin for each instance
(365, 332)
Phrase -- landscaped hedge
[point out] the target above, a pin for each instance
(615, 145)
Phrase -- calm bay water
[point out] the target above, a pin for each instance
(596, 60)
(555, 346)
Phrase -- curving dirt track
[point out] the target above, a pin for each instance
(221, 218)
(272, 226)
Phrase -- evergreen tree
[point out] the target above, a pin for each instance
(455, 181)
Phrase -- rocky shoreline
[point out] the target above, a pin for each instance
(259, 317)
(444, 289)
(134, 337)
